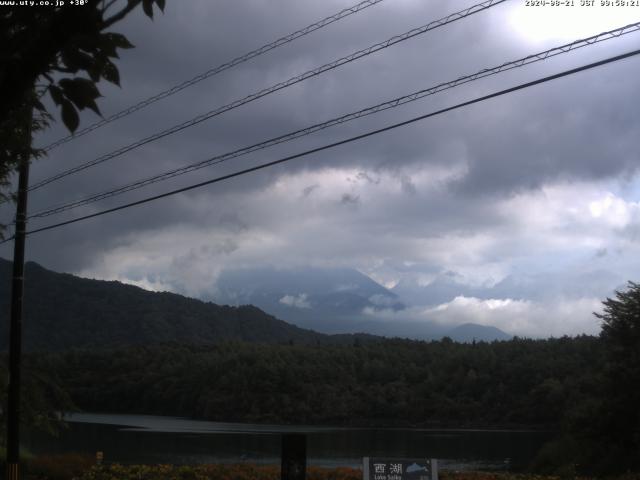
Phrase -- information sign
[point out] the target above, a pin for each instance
(375, 468)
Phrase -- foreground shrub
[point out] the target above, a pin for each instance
(207, 472)
(59, 467)
(267, 472)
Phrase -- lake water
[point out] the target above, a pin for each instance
(156, 439)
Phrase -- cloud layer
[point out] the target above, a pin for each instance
(521, 212)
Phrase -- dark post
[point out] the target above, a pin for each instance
(294, 456)
(15, 335)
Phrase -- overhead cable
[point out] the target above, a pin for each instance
(342, 119)
(274, 88)
(216, 70)
(521, 86)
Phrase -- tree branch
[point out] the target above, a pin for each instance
(108, 5)
(120, 15)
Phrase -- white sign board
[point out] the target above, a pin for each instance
(375, 468)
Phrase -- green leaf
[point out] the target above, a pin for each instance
(87, 43)
(110, 73)
(108, 47)
(147, 6)
(81, 91)
(92, 105)
(118, 40)
(94, 72)
(110, 42)
(79, 88)
(39, 106)
(70, 116)
(75, 59)
(56, 94)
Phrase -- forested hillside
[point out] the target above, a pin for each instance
(64, 311)
(392, 382)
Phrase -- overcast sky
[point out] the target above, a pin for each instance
(527, 205)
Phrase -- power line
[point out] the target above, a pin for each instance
(274, 88)
(342, 119)
(216, 70)
(341, 142)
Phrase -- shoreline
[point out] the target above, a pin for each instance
(268, 427)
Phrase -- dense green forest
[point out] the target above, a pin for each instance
(392, 382)
(572, 386)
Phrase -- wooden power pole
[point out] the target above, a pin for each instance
(15, 335)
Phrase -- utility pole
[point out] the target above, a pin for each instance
(293, 457)
(17, 293)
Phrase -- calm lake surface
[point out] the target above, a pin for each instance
(156, 439)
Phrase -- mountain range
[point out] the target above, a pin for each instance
(330, 300)
(341, 300)
(65, 311)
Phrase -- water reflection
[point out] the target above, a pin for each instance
(155, 439)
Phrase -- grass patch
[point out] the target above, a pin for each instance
(82, 467)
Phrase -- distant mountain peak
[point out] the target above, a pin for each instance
(468, 332)
(329, 300)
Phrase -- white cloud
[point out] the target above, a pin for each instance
(538, 25)
(551, 233)
(380, 300)
(345, 287)
(146, 284)
(613, 210)
(564, 316)
(298, 301)
(522, 317)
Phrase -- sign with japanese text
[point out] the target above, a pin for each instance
(399, 469)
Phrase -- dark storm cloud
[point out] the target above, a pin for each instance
(566, 136)
(306, 191)
(288, 110)
(418, 192)
(348, 199)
